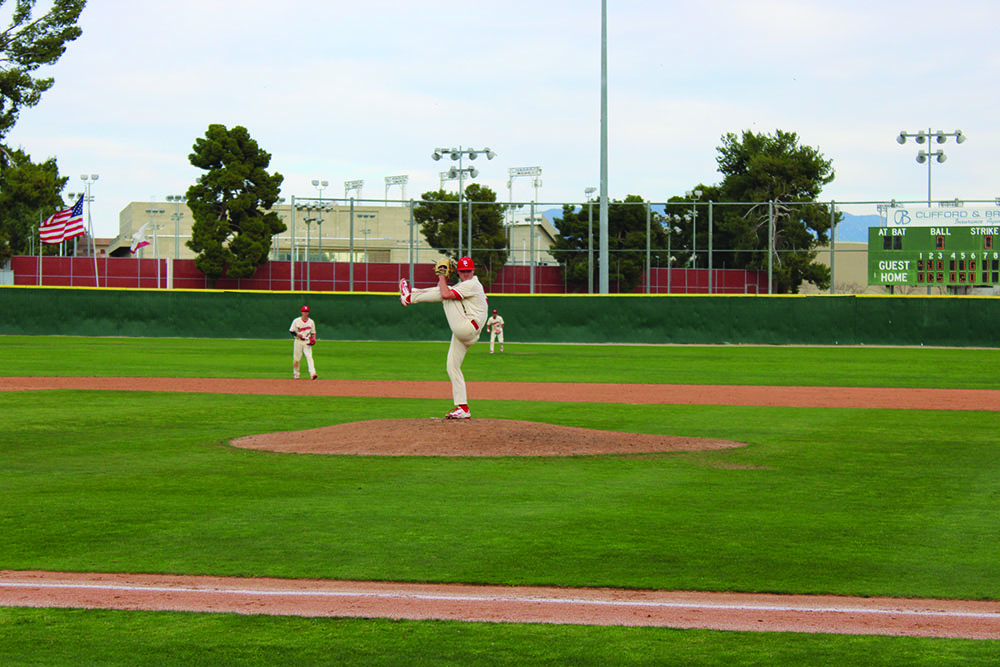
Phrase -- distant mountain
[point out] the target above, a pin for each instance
(854, 228)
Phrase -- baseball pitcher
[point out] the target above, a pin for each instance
(465, 307)
(495, 326)
(303, 330)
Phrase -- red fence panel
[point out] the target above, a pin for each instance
(126, 272)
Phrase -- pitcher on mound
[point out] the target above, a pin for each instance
(465, 307)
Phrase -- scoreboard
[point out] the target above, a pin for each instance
(947, 256)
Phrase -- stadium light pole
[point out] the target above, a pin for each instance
(589, 194)
(694, 196)
(176, 217)
(446, 176)
(309, 219)
(88, 180)
(672, 229)
(353, 185)
(516, 172)
(604, 149)
(153, 212)
(922, 137)
(396, 180)
(276, 239)
(458, 154)
(320, 186)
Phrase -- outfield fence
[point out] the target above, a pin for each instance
(653, 319)
(674, 247)
(277, 275)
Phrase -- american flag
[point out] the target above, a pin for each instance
(65, 224)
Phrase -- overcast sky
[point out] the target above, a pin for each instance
(340, 91)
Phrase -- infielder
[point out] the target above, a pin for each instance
(495, 326)
(465, 307)
(303, 330)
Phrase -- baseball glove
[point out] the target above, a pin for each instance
(444, 266)
(312, 339)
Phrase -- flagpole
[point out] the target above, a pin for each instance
(39, 248)
(93, 246)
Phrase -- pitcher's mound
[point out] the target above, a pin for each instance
(471, 437)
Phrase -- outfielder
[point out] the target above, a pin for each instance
(465, 307)
(495, 326)
(303, 330)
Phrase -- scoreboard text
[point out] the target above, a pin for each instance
(933, 256)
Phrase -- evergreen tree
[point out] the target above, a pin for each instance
(626, 243)
(437, 215)
(29, 192)
(27, 44)
(231, 204)
(759, 169)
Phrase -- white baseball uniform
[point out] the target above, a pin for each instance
(303, 329)
(466, 317)
(495, 327)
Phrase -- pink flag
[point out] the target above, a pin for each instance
(139, 239)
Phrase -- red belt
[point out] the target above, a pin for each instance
(474, 324)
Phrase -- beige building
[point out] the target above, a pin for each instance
(326, 230)
(849, 270)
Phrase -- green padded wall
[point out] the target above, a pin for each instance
(773, 320)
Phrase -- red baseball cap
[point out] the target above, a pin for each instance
(305, 309)
(465, 264)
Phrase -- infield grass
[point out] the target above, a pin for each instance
(859, 502)
(854, 502)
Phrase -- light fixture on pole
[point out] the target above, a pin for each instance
(276, 239)
(320, 186)
(446, 176)
(153, 212)
(922, 137)
(353, 185)
(694, 195)
(395, 180)
(309, 219)
(516, 172)
(672, 229)
(88, 180)
(458, 154)
(589, 193)
(177, 216)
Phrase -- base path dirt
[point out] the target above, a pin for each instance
(522, 604)
(639, 394)
(428, 437)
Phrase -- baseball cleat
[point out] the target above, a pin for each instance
(404, 292)
(459, 413)
(314, 377)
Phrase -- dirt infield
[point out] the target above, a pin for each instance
(678, 609)
(638, 394)
(501, 604)
(472, 437)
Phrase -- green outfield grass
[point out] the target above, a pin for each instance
(857, 502)
(72, 637)
(659, 364)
